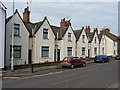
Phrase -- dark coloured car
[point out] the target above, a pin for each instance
(101, 58)
(72, 62)
(117, 57)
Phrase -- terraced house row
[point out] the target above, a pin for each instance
(42, 42)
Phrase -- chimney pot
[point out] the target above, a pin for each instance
(88, 26)
(26, 15)
(107, 30)
(64, 23)
(87, 29)
(96, 30)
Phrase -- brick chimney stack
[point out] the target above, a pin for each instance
(101, 32)
(96, 30)
(64, 23)
(87, 29)
(107, 30)
(26, 15)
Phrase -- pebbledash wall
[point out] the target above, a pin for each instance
(31, 40)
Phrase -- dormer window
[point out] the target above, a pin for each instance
(83, 38)
(16, 29)
(69, 36)
(45, 33)
(95, 40)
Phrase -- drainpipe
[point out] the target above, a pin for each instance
(76, 49)
(105, 45)
(99, 48)
(32, 53)
(5, 43)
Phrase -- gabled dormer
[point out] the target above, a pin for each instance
(95, 38)
(18, 24)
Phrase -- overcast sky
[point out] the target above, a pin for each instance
(95, 14)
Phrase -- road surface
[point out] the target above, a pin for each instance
(98, 75)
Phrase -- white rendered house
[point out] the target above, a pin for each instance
(2, 34)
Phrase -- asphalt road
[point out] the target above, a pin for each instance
(98, 75)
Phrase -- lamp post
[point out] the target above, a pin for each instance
(32, 71)
(12, 57)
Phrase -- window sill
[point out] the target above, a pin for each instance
(16, 59)
(45, 57)
(69, 40)
(45, 39)
(16, 36)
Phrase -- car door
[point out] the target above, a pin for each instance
(73, 61)
(77, 62)
(106, 58)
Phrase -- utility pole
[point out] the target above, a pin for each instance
(32, 71)
(12, 57)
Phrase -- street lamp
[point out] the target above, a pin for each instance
(12, 57)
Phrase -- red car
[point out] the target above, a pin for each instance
(73, 62)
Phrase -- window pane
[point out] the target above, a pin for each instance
(45, 30)
(16, 29)
(103, 50)
(83, 38)
(69, 51)
(45, 33)
(45, 51)
(95, 51)
(83, 50)
(95, 39)
(69, 36)
(45, 48)
(16, 52)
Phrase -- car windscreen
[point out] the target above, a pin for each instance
(98, 56)
(75, 59)
(104, 56)
(67, 59)
(101, 56)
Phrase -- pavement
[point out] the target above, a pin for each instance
(37, 71)
(94, 75)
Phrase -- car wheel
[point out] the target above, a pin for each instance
(62, 66)
(83, 64)
(72, 66)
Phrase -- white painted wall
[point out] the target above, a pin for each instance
(22, 40)
(39, 42)
(103, 45)
(110, 47)
(93, 45)
(2, 36)
(80, 44)
(65, 43)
